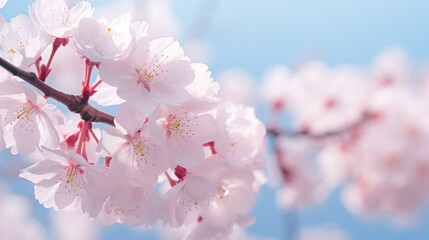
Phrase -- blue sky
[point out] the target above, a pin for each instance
(255, 35)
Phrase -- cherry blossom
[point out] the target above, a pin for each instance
(277, 88)
(203, 87)
(387, 177)
(134, 202)
(156, 73)
(184, 129)
(174, 153)
(59, 18)
(303, 182)
(242, 135)
(319, 113)
(106, 95)
(99, 41)
(28, 121)
(187, 198)
(132, 143)
(21, 41)
(236, 195)
(66, 181)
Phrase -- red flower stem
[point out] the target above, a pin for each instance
(88, 70)
(37, 65)
(93, 87)
(55, 45)
(82, 136)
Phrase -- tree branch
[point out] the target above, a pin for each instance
(73, 102)
(306, 133)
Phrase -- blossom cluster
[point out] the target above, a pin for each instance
(175, 153)
(366, 130)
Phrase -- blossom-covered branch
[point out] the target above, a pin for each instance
(74, 103)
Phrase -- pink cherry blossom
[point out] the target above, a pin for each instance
(388, 162)
(184, 129)
(21, 41)
(203, 87)
(133, 203)
(99, 41)
(235, 198)
(59, 18)
(156, 73)
(186, 199)
(132, 143)
(277, 88)
(242, 135)
(211, 214)
(303, 183)
(174, 152)
(391, 67)
(106, 95)
(334, 92)
(66, 181)
(28, 120)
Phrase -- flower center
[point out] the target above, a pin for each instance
(146, 76)
(181, 125)
(143, 152)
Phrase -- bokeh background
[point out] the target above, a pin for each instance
(253, 36)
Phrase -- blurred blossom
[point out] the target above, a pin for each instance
(16, 220)
(371, 130)
(302, 180)
(391, 67)
(319, 98)
(157, 13)
(237, 86)
(276, 88)
(388, 161)
(67, 224)
(198, 51)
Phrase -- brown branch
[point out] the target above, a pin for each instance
(306, 133)
(74, 103)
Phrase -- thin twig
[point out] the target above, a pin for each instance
(74, 103)
(306, 133)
